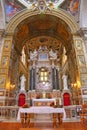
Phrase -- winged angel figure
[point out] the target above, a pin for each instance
(42, 5)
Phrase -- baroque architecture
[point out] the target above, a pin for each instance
(43, 53)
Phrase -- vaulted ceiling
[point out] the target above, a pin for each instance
(42, 30)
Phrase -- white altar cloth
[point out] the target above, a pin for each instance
(41, 110)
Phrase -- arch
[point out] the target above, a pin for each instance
(20, 17)
(63, 15)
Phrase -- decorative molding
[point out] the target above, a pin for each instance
(63, 15)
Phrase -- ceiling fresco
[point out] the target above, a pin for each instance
(12, 7)
(72, 7)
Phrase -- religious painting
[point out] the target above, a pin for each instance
(2, 81)
(72, 7)
(4, 61)
(7, 45)
(11, 8)
(78, 44)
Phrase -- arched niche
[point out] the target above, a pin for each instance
(66, 99)
(21, 98)
(60, 15)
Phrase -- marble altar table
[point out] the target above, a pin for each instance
(44, 110)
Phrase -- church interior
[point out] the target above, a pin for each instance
(43, 62)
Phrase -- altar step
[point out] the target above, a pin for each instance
(41, 129)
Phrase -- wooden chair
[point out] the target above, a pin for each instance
(83, 116)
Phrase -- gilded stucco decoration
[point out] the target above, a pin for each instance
(28, 25)
(50, 42)
(42, 25)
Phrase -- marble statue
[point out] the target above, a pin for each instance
(23, 79)
(65, 84)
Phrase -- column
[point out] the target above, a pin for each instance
(53, 81)
(30, 79)
(34, 78)
(57, 79)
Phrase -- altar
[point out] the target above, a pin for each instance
(41, 110)
(43, 101)
(57, 114)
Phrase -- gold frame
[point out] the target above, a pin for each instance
(78, 44)
(7, 45)
(4, 61)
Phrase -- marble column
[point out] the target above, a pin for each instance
(53, 76)
(57, 79)
(34, 78)
(30, 79)
(65, 84)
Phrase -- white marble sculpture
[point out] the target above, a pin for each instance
(65, 84)
(23, 79)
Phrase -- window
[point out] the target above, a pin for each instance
(43, 75)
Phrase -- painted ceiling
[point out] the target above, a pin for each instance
(40, 30)
(12, 7)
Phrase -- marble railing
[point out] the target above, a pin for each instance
(8, 112)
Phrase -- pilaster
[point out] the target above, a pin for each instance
(4, 63)
(81, 63)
